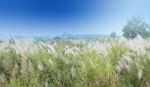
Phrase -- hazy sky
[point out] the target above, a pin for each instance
(53, 17)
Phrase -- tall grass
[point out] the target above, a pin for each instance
(119, 62)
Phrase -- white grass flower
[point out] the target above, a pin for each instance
(40, 67)
(65, 60)
(73, 71)
(46, 84)
(124, 63)
(14, 71)
(140, 72)
(30, 66)
(51, 49)
(2, 79)
(72, 51)
(127, 58)
(118, 69)
(24, 66)
(50, 61)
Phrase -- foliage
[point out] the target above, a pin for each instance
(136, 26)
(113, 34)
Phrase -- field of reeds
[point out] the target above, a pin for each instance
(113, 62)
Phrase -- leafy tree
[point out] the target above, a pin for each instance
(136, 26)
(56, 38)
(113, 34)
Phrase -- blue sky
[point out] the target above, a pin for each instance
(54, 17)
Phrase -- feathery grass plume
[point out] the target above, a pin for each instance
(15, 71)
(40, 66)
(73, 71)
(30, 67)
(140, 72)
(72, 51)
(124, 63)
(2, 80)
(51, 49)
(24, 67)
(50, 61)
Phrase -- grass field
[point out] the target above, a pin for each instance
(113, 62)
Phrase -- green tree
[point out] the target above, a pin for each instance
(136, 26)
(113, 34)
(56, 38)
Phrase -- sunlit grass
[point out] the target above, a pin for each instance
(75, 63)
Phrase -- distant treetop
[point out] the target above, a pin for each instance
(136, 26)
